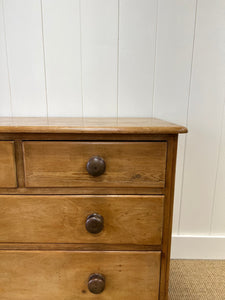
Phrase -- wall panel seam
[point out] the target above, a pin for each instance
(44, 58)
(81, 62)
(155, 58)
(217, 168)
(118, 59)
(7, 58)
(188, 106)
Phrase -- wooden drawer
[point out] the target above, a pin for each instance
(7, 165)
(63, 219)
(49, 275)
(63, 164)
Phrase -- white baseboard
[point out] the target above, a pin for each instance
(198, 247)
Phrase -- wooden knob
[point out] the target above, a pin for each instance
(96, 166)
(94, 223)
(96, 283)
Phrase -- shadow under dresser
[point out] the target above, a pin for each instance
(86, 208)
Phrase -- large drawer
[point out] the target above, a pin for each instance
(7, 165)
(69, 219)
(49, 275)
(64, 164)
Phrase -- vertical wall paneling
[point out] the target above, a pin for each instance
(205, 118)
(25, 56)
(137, 35)
(141, 58)
(175, 34)
(99, 23)
(218, 218)
(178, 182)
(61, 28)
(5, 109)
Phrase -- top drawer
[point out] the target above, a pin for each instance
(122, 164)
(7, 165)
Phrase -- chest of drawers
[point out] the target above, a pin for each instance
(86, 208)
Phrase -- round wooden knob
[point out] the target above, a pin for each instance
(96, 166)
(96, 283)
(94, 223)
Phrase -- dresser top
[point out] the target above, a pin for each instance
(88, 125)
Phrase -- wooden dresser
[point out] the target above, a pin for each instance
(86, 208)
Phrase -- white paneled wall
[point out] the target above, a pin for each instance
(176, 28)
(161, 58)
(99, 49)
(24, 50)
(62, 56)
(136, 55)
(207, 95)
(5, 99)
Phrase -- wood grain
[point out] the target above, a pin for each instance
(80, 247)
(63, 164)
(48, 275)
(89, 125)
(82, 191)
(53, 153)
(168, 217)
(7, 165)
(61, 219)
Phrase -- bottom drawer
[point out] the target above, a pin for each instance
(65, 275)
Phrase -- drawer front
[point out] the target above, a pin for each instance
(69, 219)
(7, 165)
(64, 164)
(49, 275)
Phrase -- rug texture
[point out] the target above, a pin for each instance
(197, 280)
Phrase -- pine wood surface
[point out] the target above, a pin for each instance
(43, 214)
(7, 165)
(130, 220)
(57, 275)
(63, 164)
(89, 125)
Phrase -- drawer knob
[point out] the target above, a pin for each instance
(94, 223)
(96, 166)
(96, 283)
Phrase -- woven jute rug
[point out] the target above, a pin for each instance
(197, 279)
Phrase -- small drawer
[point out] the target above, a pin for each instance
(81, 219)
(7, 165)
(95, 164)
(49, 275)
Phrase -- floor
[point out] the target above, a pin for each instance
(197, 279)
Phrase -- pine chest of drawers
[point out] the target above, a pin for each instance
(86, 208)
